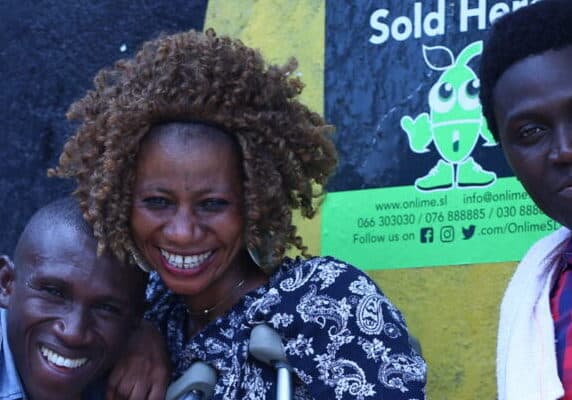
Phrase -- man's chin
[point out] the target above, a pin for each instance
(49, 382)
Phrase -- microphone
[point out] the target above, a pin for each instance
(266, 346)
(197, 383)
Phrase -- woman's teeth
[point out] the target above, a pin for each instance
(185, 262)
(60, 360)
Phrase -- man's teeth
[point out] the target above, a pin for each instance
(185, 262)
(61, 361)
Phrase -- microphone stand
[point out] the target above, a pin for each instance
(266, 346)
(197, 383)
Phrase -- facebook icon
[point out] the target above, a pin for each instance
(426, 235)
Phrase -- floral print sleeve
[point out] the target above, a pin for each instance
(343, 338)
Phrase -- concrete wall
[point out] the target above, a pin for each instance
(50, 51)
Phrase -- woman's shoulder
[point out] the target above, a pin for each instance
(324, 264)
(326, 274)
(325, 281)
(332, 314)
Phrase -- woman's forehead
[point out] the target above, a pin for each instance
(185, 131)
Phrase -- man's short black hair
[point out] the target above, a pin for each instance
(532, 30)
(64, 211)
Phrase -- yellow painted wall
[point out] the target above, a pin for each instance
(451, 310)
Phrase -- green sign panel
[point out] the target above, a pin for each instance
(400, 227)
(421, 181)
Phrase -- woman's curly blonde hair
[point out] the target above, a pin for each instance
(287, 150)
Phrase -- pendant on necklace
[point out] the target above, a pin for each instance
(205, 313)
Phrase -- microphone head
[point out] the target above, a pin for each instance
(200, 377)
(266, 345)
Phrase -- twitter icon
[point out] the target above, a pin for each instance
(468, 232)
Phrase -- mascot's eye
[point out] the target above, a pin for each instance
(442, 97)
(445, 91)
(473, 87)
(469, 94)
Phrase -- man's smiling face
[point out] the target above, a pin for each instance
(533, 111)
(69, 312)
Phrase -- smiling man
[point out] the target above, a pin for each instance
(67, 313)
(526, 93)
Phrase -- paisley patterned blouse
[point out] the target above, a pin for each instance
(342, 336)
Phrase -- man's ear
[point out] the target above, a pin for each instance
(6, 280)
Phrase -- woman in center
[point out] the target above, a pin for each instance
(190, 159)
(187, 217)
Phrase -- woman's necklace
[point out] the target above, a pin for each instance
(205, 313)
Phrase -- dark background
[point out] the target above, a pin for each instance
(49, 52)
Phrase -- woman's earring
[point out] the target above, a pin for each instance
(255, 255)
(262, 259)
(138, 259)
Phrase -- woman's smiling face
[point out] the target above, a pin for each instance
(187, 214)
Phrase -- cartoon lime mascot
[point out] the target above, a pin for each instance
(454, 124)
